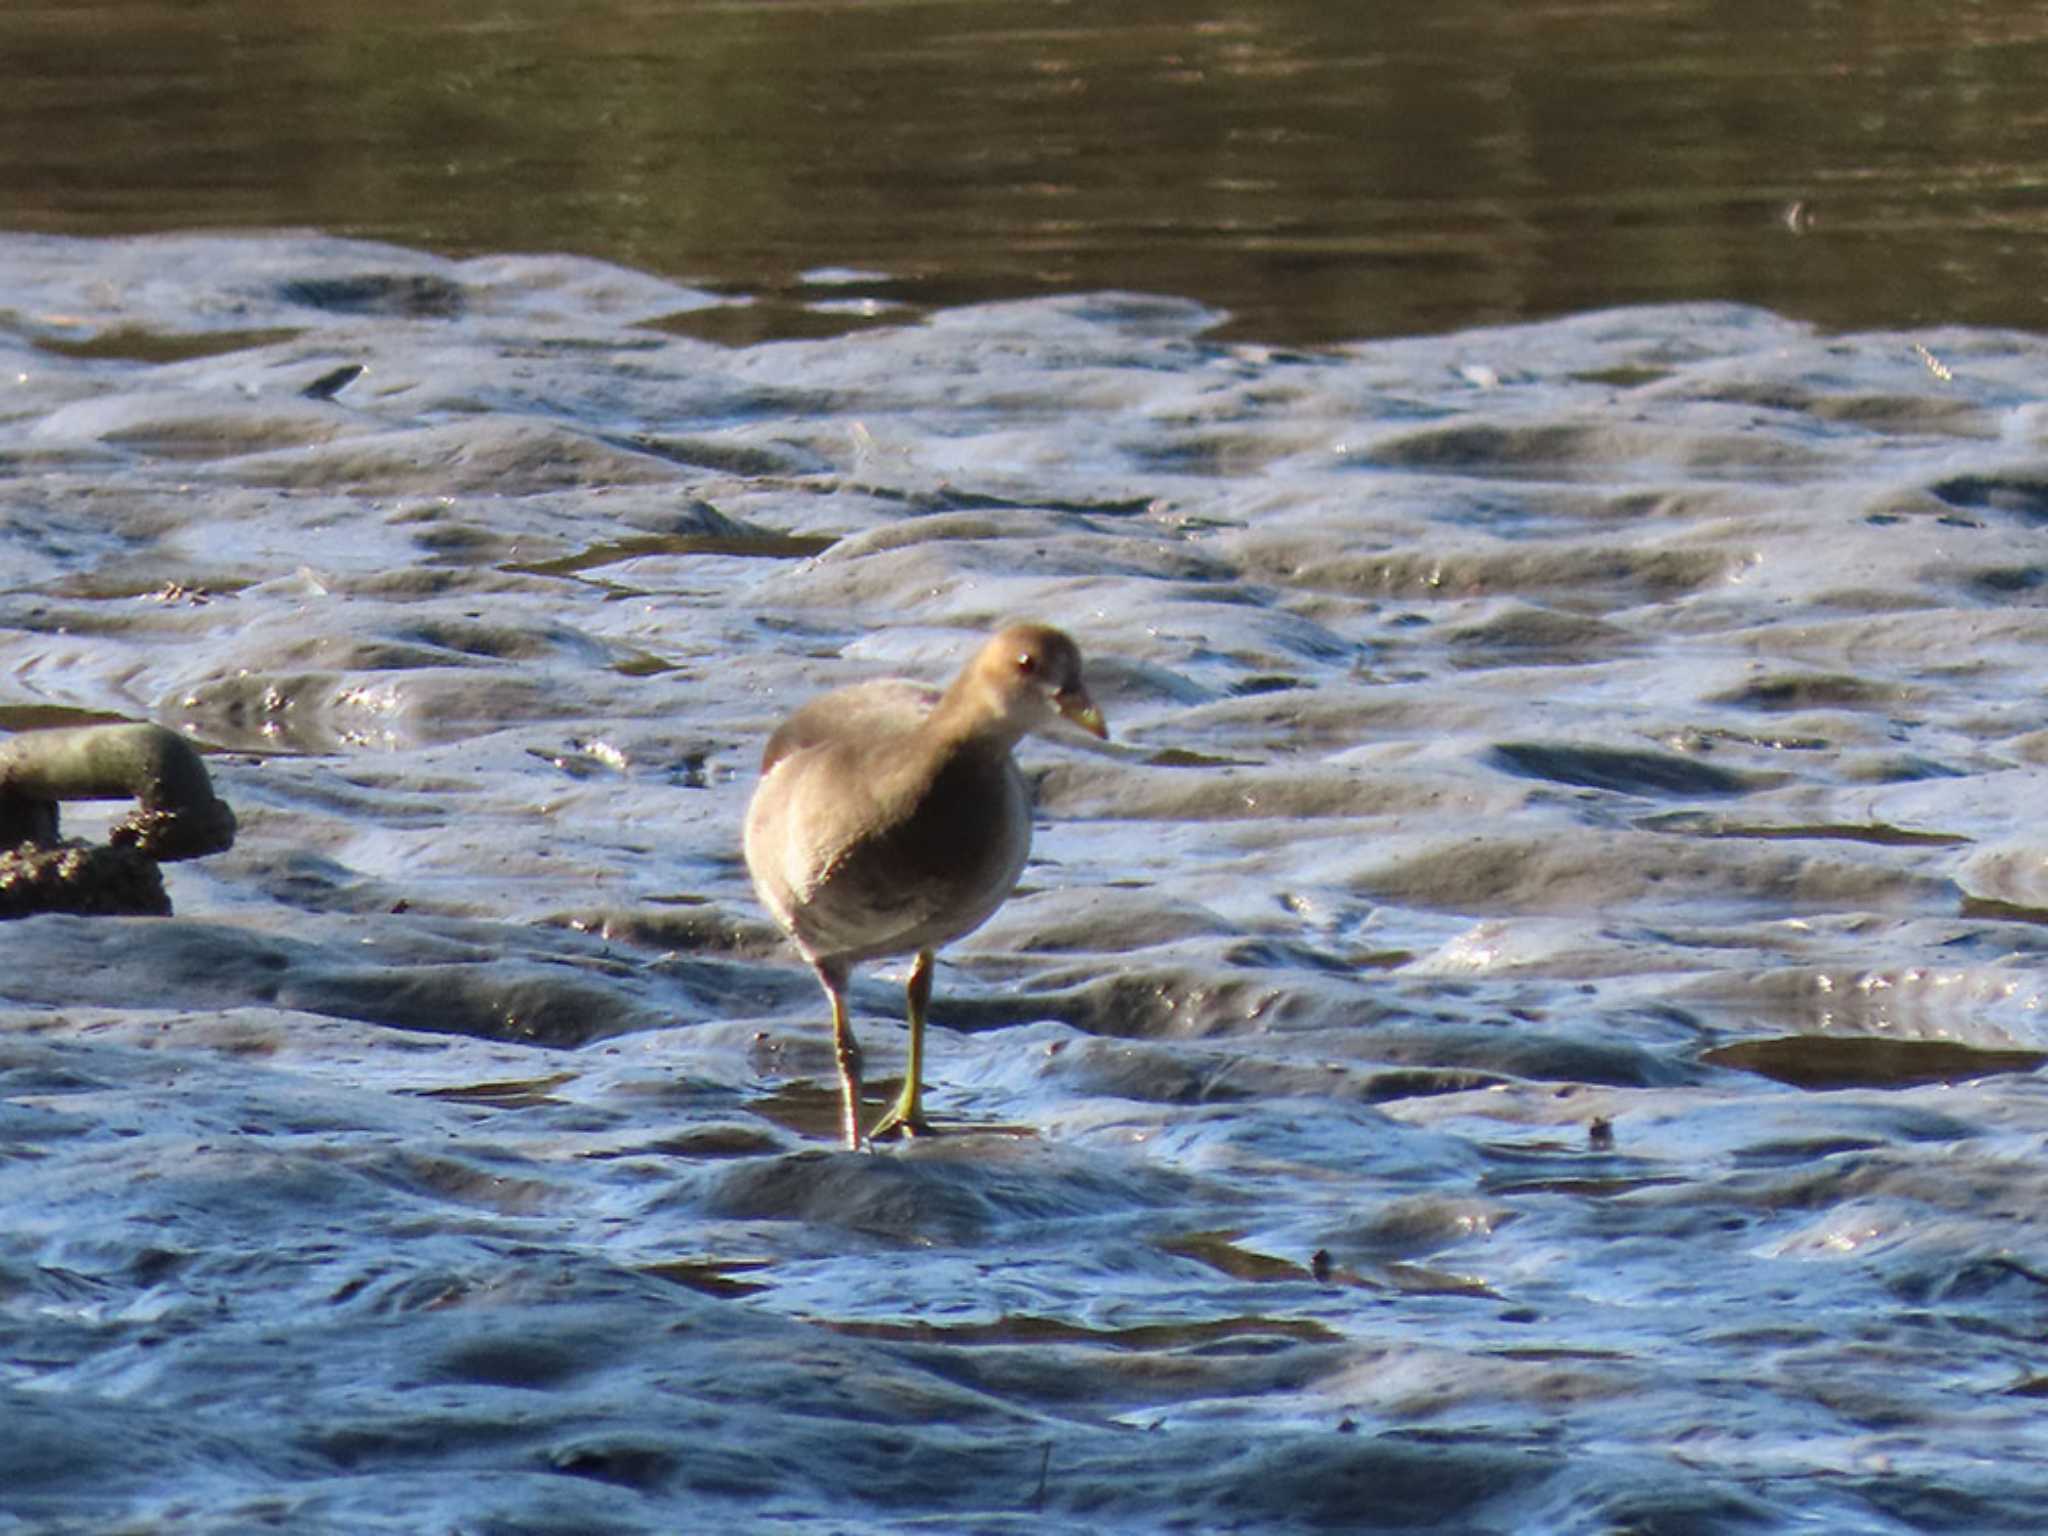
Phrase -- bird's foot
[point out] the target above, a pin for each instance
(903, 1118)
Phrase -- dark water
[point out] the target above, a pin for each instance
(1533, 1023)
(1323, 172)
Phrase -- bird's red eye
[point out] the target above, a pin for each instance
(1027, 663)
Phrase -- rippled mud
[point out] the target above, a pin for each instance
(1532, 1023)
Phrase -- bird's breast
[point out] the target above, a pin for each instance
(905, 866)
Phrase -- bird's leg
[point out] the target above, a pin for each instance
(847, 1050)
(907, 1113)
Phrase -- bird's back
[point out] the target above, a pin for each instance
(885, 708)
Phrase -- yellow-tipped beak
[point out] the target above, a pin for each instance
(1080, 709)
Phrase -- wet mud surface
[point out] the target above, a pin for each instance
(1532, 1022)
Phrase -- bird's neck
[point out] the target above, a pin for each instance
(966, 716)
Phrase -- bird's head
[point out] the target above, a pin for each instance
(1031, 675)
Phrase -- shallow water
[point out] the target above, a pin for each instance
(1531, 1023)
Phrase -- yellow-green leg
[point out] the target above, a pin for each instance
(906, 1115)
(847, 1050)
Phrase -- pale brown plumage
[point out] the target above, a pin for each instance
(890, 820)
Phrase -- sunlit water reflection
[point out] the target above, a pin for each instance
(1322, 172)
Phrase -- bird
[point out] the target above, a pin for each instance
(891, 819)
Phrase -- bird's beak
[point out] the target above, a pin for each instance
(1075, 704)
